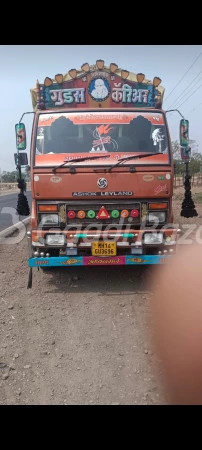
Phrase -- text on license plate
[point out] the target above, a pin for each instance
(103, 248)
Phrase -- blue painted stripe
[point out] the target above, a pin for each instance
(147, 259)
(69, 261)
(54, 261)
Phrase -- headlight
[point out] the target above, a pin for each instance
(55, 239)
(157, 217)
(49, 219)
(153, 238)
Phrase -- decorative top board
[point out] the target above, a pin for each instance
(98, 86)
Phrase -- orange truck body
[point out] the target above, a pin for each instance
(110, 210)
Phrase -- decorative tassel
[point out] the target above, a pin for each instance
(188, 206)
(22, 205)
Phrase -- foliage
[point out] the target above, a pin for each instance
(12, 177)
(195, 164)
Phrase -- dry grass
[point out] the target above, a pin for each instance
(178, 197)
(6, 188)
(196, 193)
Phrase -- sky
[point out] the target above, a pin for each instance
(22, 65)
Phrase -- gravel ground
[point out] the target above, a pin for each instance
(80, 336)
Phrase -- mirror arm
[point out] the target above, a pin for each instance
(30, 112)
(172, 110)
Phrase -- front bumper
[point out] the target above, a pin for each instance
(84, 239)
(65, 261)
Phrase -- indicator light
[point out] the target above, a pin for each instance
(48, 207)
(158, 205)
(91, 214)
(81, 214)
(71, 214)
(134, 213)
(124, 213)
(115, 213)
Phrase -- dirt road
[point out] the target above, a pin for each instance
(77, 337)
(80, 336)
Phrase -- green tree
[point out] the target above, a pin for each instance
(10, 177)
(194, 146)
(195, 164)
(27, 173)
(176, 150)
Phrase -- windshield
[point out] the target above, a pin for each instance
(64, 136)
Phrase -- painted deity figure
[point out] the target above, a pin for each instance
(100, 91)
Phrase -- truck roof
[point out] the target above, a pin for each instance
(97, 86)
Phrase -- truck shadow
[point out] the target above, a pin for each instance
(102, 280)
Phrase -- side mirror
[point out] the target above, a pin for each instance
(184, 133)
(185, 153)
(20, 133)
(21, 159)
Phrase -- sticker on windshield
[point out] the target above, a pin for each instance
(158, 137)
(102, 141)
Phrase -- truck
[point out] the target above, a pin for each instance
(101, 169)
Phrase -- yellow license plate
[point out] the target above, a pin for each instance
(103, 248)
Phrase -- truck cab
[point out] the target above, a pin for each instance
(101, 170)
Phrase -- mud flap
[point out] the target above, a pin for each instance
(29, 284)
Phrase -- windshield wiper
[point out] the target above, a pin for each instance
(85, 158)
(127, 158)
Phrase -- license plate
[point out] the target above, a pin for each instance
(103, 248)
